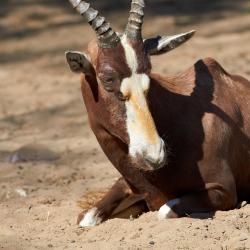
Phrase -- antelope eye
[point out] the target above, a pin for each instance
(108, 84)
(105, 77)
(108, 80)
(120, 96)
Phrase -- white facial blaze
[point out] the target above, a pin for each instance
(144, 139)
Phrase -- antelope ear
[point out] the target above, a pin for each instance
(78, 62)
(160, 45)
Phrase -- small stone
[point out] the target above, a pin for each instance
(73, 241)
(33, 152)
(240, 215)
(243, 238)
(50, 245)
(21, 192)
(151, 242)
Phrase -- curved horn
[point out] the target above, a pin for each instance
(107, 38)
(135, 20)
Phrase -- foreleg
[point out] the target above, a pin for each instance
(119, 198)
(213, 197)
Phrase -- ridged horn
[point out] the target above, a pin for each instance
(135, 20)
(107, 37)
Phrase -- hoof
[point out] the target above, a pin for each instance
(90, 219)
(166, 211)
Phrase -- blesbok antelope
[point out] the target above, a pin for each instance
(181, 143)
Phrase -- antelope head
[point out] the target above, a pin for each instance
(121, 66)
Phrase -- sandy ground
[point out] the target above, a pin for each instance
(40, 102)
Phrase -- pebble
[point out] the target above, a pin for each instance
(21, 192)
(240, 215)
(32, 152)
(243, 238)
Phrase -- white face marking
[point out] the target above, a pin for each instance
(91, 218)
(144, 139)
(166, 209)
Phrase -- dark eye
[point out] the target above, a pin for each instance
(120, 96)
(108, 84)
(109, 80)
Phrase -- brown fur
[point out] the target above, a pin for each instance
(203, 115)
